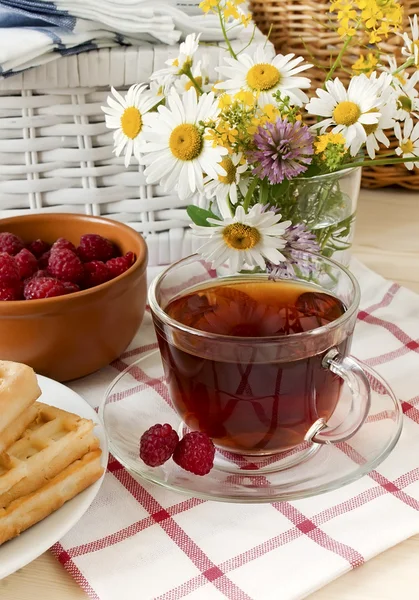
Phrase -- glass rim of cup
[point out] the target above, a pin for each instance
(313, 333)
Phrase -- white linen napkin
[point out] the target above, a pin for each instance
(140, 540)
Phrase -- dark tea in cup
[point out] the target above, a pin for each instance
(233, 379)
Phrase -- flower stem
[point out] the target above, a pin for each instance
(410, 61)
(338, 59)
(194, 82)
(223, 29)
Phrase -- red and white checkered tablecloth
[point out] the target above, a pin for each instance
(141, 541)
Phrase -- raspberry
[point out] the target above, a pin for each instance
(95, 247)
(70, 288)
(157, 444)
(9, 270)
(43, 261)
(10, 243)
(11, 293)
(195, 453)
(65, 265)
(38, 247)
(119, 265)
(96, 272)
(27, 263)
(63, 244)
(43, 287)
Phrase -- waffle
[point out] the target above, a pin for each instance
(18, 390)
(52, 441)
(32, 508)
(17, 427)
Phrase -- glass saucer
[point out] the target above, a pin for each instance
(138, 398)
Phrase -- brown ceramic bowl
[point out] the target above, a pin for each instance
(71, 336)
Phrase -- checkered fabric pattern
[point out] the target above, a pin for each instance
(141, 541)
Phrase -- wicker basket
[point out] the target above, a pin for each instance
(300, 26)
(56, 152)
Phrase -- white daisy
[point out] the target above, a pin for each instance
(348, 111)
(411, 45)
(224, 188)
(176, 152)
(264, 73)
(375, 133)
(159, 89)
(245, 239)
(408, 143)
(199, 73)
(128, 116)
(178, 64)
(407, 100)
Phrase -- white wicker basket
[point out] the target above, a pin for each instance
(56, 153)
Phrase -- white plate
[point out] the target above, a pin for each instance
(33, 542)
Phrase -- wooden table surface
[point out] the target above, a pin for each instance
(387, 240)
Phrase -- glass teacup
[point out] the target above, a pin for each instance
(253, 392)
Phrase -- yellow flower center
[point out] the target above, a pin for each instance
(186, 142)
(346, 113)
(240, 236)
(407, 147)
(262, 77)
(230, 169)
(189, 84)
(131, 122)
(369, 129)
(404, 103)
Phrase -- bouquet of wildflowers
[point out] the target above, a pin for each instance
(246, 140)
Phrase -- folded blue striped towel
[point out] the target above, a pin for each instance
(34, 32)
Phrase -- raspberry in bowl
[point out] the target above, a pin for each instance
(72, 291)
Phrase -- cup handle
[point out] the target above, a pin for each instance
(354, 376)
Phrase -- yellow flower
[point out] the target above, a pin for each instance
(323, 141)
(365, 64)
(245, 97)
(271, 112)
(246, 19)
(222, 135)
(227, 133)
(377, 18)
(224, 101)
(208, 5)
(230, 10)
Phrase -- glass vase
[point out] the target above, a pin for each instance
(326, 204)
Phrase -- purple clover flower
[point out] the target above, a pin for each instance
(299, 240)
(299, 237)
(283, 151)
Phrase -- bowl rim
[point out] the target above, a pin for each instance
(139, 265)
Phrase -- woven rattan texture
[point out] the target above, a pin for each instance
(56, 152)
(302, 26)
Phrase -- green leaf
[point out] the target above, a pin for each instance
(279, 189)
(264, 192)
(249, 194)
(199, 215)
(312, 171)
